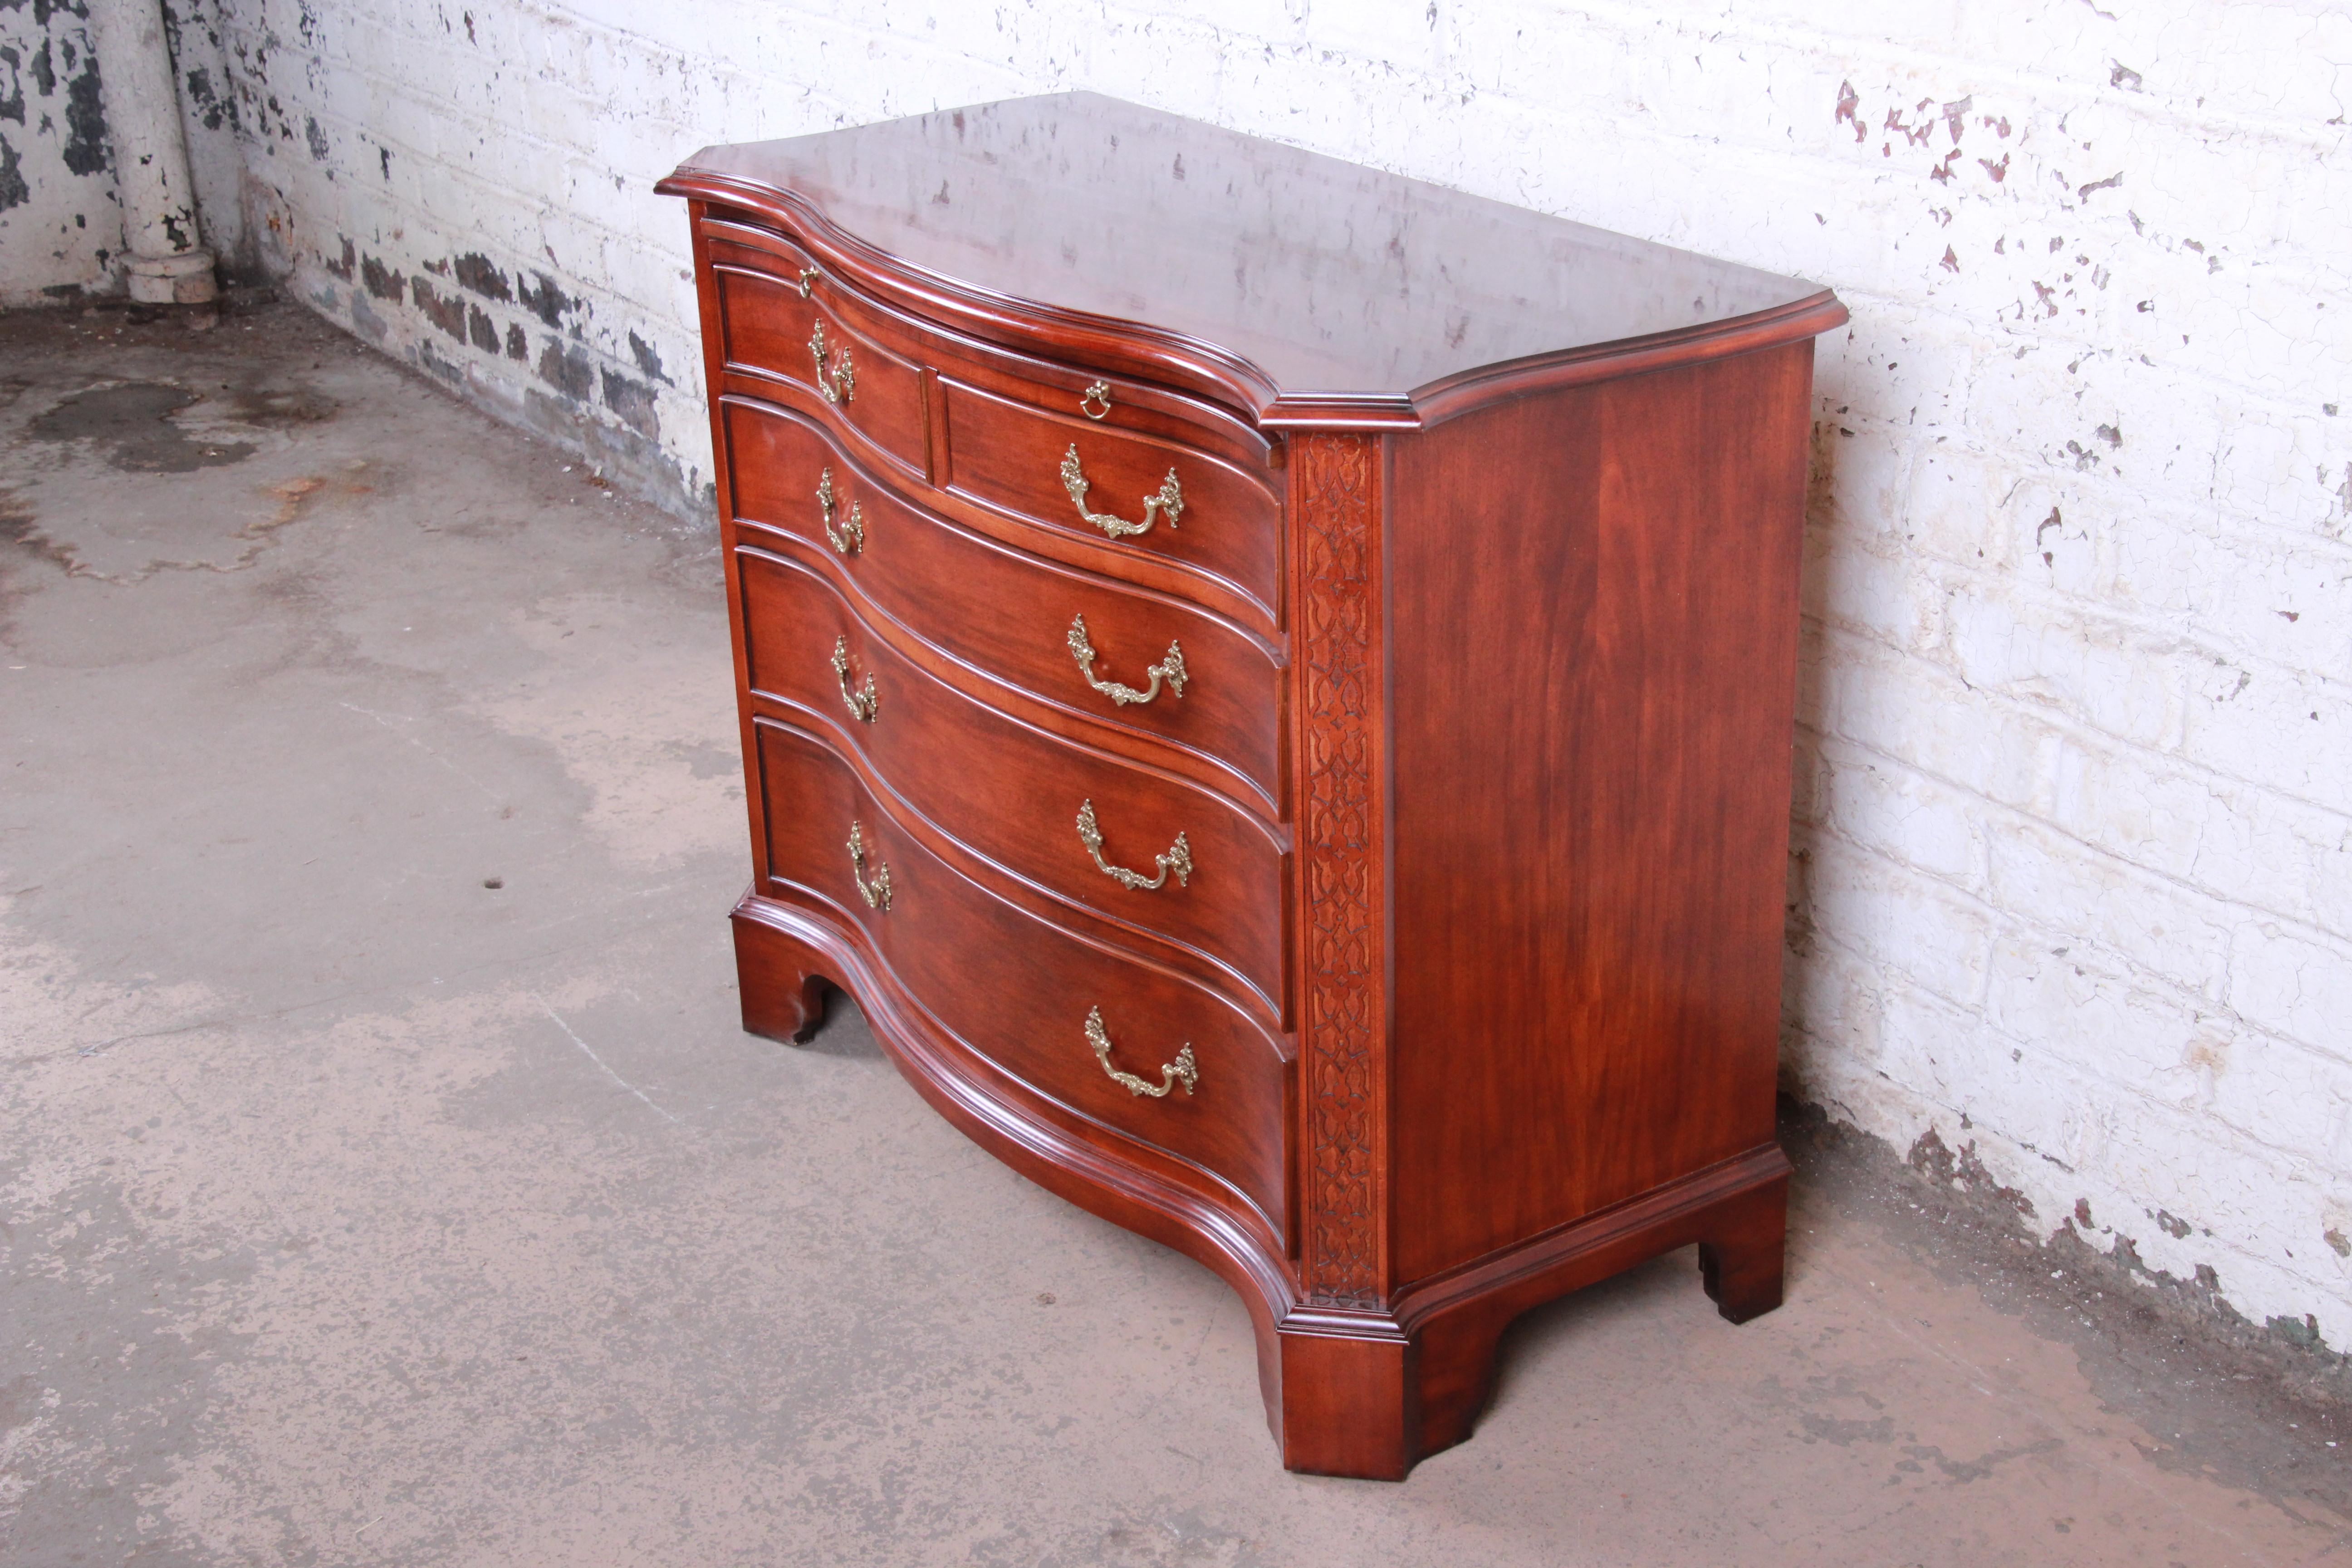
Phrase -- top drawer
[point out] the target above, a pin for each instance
(780, 328)
(1140, 492)
(1161, 488)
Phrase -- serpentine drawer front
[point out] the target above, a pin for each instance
(1162, 671)
(1167, 859)
(1031, 1023)
(1272, 685)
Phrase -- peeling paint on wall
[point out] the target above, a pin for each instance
(59, 226)
(477, 272)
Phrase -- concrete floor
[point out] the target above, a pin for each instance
(385, 1178)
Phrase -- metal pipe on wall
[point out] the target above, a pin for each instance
(166, 262)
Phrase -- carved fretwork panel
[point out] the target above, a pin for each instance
(1335, 489)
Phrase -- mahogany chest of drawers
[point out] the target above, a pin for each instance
(1272, 684)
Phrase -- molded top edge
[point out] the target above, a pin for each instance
(1312, 291)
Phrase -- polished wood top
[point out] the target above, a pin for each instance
(1313, 283)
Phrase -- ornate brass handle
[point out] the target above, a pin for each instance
(877, 891)
(835, 384)
(862, 703)
(1177, 859)
(1169, 499)
(809, 275)
(1098, 393)
(851, 538)
(1184, 1070)
(1170, 670)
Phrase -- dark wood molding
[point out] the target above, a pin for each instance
(1139, 349)
(795, 187)
(1800, 321)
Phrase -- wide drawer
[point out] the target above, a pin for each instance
(1010, 616)
(1019, 991)
(1198, 871)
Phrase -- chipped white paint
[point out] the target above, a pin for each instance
(164, 263)
(61, 214)
(2074, 875)
(59, 228)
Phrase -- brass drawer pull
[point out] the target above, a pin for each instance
(1170, 670)
(1177, 859)
(809, 275)
(878, 892)
(863, 704)
(1169, 498)
(851, 538)
(1184, 1070)
(835, 384)
(1098, 393)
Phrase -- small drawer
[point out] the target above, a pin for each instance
(795, 326)
(1167, 859)
(1011, 615)
(1020, 992)
(1149, 494)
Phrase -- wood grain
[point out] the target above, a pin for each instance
(768, 329)
(1592, 793)
(1003, 454)
(1298, 288)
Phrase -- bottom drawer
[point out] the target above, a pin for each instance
(1022, 992)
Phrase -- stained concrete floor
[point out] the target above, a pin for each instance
(385, 1178)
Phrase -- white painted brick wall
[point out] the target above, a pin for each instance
(2073, 875)
(59, 226)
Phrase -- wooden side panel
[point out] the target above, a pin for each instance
(714, 363)
(1341, 815)
(1596, 607)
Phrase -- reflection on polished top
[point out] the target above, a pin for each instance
(1330, 277)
